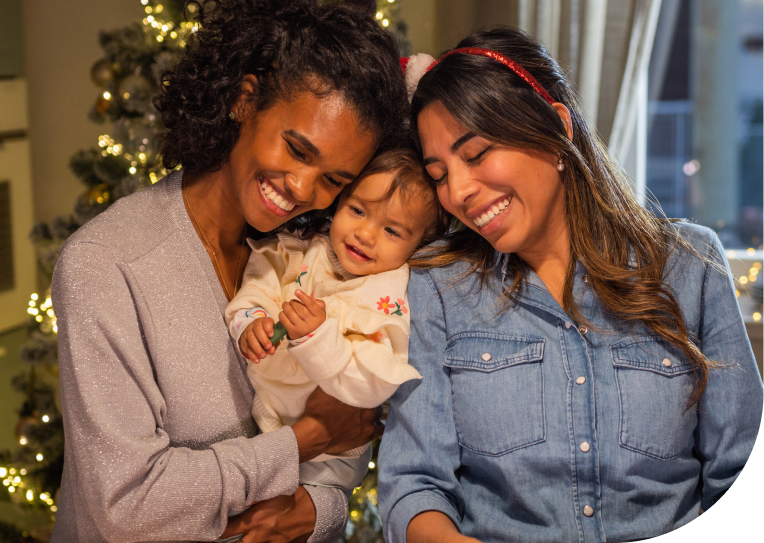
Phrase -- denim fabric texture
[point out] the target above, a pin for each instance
(528, 427)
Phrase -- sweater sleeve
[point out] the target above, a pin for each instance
(139, 486)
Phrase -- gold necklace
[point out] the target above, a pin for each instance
(214, 253)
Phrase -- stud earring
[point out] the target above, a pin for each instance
(560, 165)
(231, 115)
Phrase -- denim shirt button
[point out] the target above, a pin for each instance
(586, 278)
(568, 325)
(584, 446)
(580, 380)
(583, 330)
(588, 511)
(486, 356)
(667, 362)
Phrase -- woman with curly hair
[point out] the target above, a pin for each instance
(274, 107)
(586, 371)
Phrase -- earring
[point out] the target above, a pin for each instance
(231, 115)
(560, 165)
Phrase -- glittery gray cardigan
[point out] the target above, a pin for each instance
(160, 444)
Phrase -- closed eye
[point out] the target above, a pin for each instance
(295, 152)
(439, 180)
(478, 156)
(333, 181)
(392, 232)
(356, 211)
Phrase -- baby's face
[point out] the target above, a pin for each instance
(373, 237)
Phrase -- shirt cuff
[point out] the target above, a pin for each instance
(306, 337)
(331, 513)
(243, 318)
(413, 504)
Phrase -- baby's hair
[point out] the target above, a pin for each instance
(411, 181)
(410, 177)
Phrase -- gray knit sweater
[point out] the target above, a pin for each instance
(159, 439)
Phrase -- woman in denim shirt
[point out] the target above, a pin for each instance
(587, 374)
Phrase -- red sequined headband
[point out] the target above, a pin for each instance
(511, 64)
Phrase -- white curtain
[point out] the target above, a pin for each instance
(605, 45)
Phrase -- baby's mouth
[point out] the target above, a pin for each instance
(357, 253)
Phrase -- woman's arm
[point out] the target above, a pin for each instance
(730, 409)
(434, 527)
(420, 453)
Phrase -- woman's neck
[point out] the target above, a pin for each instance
(214, 210)
(550, 258)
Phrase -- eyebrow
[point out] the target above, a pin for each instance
(313, 150)
(454, 148)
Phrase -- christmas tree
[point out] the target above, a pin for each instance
(125, 161)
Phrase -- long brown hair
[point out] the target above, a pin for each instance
(606, 222)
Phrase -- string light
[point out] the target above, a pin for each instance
(39, 457)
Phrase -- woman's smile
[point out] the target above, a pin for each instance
(489, 218)
(275, 200)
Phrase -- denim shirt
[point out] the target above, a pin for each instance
(527, 427)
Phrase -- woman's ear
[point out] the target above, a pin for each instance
(247, 93)
(564, 114)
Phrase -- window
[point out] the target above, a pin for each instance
(704, 119)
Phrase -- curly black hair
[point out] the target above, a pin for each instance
(290, 46)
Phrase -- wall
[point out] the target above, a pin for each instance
(60, 46)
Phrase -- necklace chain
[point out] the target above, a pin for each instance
(214, 252)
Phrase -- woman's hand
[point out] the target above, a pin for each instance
(435, 527)
(281, 519)
(330, 426)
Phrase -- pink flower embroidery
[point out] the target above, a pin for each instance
(303, 271)
(384, 305)
(376, 337)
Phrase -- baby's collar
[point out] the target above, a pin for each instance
(335, 262)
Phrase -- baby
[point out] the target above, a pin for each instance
(348, 328)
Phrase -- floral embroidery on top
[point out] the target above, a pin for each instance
(376, 337)
(384, 305)
(303, 271)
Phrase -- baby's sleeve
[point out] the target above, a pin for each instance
(260, 284)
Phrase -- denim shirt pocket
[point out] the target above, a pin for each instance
(497, 385)
(655, 381)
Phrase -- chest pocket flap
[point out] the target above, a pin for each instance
(651, 354)
(491, 352)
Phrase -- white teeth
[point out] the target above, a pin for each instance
(275, 197)
(492, 213)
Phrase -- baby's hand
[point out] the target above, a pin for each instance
(302, 317)
(254, 342)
